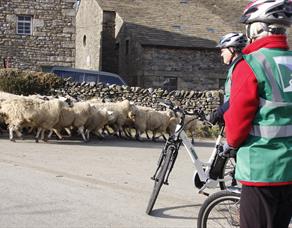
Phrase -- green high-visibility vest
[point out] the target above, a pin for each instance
(227, 85)
(266, 155)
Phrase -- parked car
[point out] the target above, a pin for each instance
(81, 75)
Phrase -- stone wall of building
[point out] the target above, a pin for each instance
(89, 25)
(52, 41)
(194, 68)
(109, 52)
(130, 56)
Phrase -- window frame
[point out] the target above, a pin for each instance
(24, 22)
(171, 83)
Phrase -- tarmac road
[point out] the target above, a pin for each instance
(100, 184)
(69, 184)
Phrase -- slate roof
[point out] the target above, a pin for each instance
(179, 23)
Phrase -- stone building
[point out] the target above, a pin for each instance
(158, 43)
(166, 43)
(37, 34)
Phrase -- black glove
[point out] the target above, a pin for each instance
(215, 117)
(227, 151)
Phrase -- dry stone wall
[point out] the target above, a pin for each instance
(208, 100)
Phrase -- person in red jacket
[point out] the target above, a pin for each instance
(259, 118)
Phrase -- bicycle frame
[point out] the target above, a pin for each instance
(207, 174)
(202, 168)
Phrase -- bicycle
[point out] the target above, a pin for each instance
(221, 209)
(218, 169)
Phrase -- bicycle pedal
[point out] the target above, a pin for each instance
(205, 193)
(166, 183)
(152, 178)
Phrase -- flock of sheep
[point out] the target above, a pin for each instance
(53, 115)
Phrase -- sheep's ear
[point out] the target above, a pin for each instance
(132, 103)
(110, 112)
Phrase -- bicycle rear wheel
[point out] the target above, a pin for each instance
(159, 180)
(221, 209)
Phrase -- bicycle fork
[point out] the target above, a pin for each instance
(174, 152)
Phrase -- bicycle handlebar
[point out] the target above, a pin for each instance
(199, 112)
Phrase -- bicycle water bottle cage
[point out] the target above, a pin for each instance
(218, 164)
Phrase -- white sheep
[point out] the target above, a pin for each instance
(97, 121)
(82, 111)
(22, 111)
(149, 119)
(66, 119)
(139, 115)
(120, 113)
(191, 124)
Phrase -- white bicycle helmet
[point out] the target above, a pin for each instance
(233, 39)
(269, 12)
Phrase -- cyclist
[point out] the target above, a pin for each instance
(231, 46)
(259, 118)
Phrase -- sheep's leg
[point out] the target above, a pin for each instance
(30, 130)
(57, 133)
(130, 132)
(68, 131)
(115, 128)
(193, 141)
(43, 136)
(156, 138)
(87, 134)
(99, 135)
(153, 136)
(38, 135)
(164, 137)
(11, 138)
(120, 133)
(81, 131)
(106, 128)
(147, 135)
(50, 134)
(137, 136)
(18, 133)
(127, 133)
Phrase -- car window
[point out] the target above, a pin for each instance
(91, 77)
(80, 76)
(110, 79)
(75, 76)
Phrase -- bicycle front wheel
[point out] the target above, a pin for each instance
(159, 180)
(220, 210)
(228, 174)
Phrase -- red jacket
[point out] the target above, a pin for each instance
(244, 99)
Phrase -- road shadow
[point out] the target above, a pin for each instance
(162, 212)
(108, 141)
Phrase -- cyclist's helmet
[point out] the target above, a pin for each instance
(269, 12)
(234, 39)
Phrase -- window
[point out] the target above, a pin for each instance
(24, 25)
(117, 46)
(84, 40)
(170, 83)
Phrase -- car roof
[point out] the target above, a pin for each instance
(87, 71)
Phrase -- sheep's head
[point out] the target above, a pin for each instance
(110, 115)
(132, 115)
